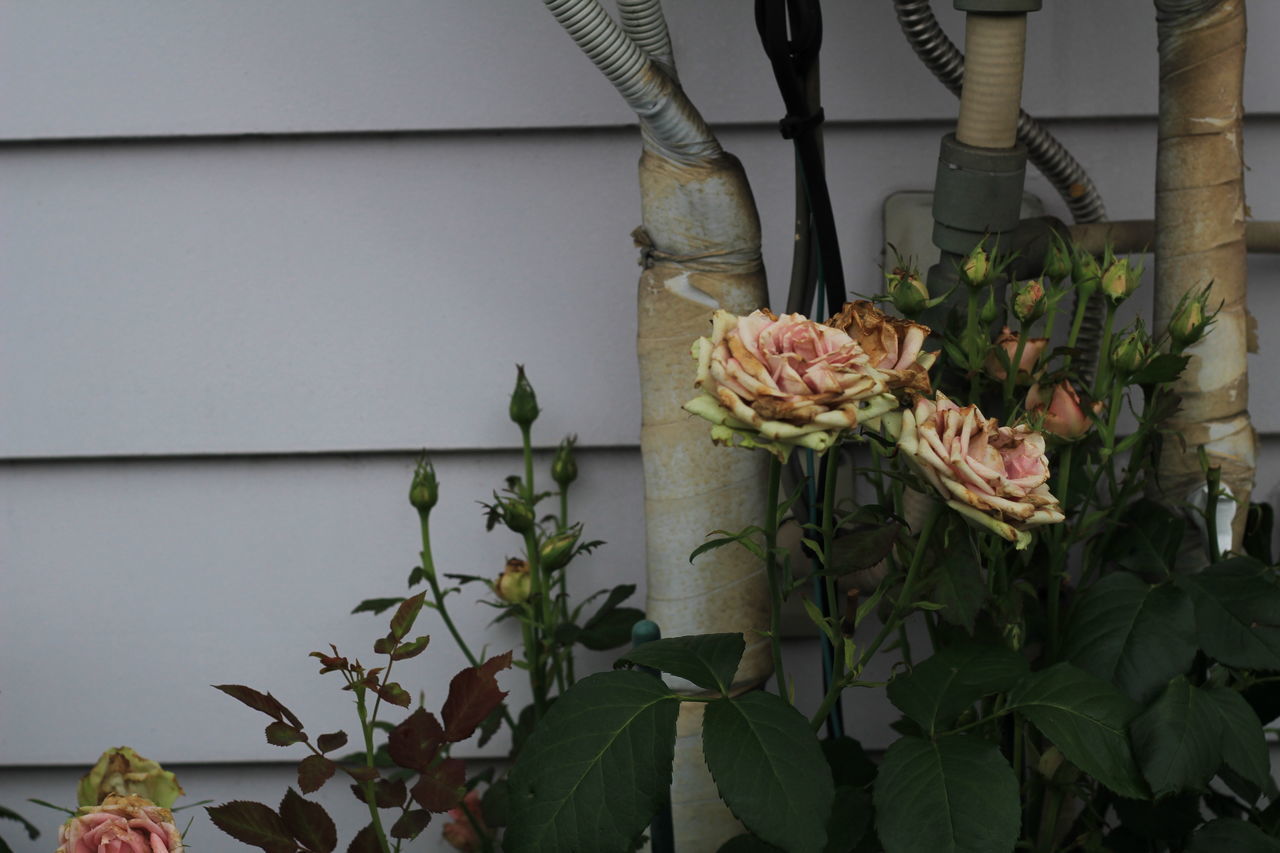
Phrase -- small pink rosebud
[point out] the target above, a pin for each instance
(1029, 301)
(1063, 416)
(1007, 343)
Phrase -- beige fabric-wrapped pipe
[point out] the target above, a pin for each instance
(1200, 237)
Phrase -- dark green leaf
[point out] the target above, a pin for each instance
(850, 766)
(610, 631)
(313, 772)
(957, 584)
(941, 688)
(366, 841)
(1087, 719)
(862, 548)
(385, 645)
(378, 605)
(954, 795)
(1178, 740)
(742, 537)
(404, 651)
(707, 660)
(1258, 529)
(1162, 368)
(395, 694)
(1234, 835)
(253, 824)
(309, 823)
(410, 824)
(1149, 536)
(1244, 746)
(495, 803)
(405, 615)
(851, 814)
(748, 844)
(1169, 818)
(331, 741)
(616, 596)
(1238, 613)
(769, 769)
(1132, 634)
(32, 832)
(283, 734)
(566, 788)
(417, 575)
(473, 695)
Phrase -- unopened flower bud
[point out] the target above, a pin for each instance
(517, 515)
(514, 584)
(1062, 414)
(1085, 272)
(424, 490)
(976, 267)
(1120, 280)
(564, 468)
(556, 551)
(1057, 263)
(1029, 301)
(991, 311)
(907, 292)
(524, 403)
(1188, 323)
(1130, 354)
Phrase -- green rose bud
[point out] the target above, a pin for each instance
(1130, 354)
(991, 311)
(556, 551)
(1085, 272)
(123, 772)
(516, 515)
(514, 584)
(424, 491)
(1029, 301)
(524, 403)
(564, 468)
(1120, 280)
(1057, 263)
(1188, 323)
(975, 268)
(907, 292)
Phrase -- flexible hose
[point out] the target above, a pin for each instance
(644, 22)
(669, 122)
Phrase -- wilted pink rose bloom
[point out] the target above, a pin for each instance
(460, 832)
(1007, 343)
(894, 346)
(789, 379)
(129, 824)
(997, 476)
(1063, 416)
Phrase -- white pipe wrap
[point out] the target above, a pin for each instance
(994, 49)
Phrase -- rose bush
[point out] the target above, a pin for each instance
(778, 382)
(996, 476)
(129, 824)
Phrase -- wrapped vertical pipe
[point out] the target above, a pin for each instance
(700, 242)
(1200, 238)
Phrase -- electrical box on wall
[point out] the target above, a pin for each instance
(908, 227)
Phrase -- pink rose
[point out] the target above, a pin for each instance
(775, 382)
(460, 832)
(1007, 343)
(1063, 416)
(996, 476)
(894, 346)
(129, 824)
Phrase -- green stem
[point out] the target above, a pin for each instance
(1081, 306)
(541, 628)
(974, 344)
(367, 785)
(1059, 555)
(908, 586)
(564, 586)
(1104, 354)
(773, 574)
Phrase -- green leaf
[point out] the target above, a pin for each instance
(283, 734)
(596, 768)
(1132, 634)
(253, 824)
(708, 660)
(954, 795)
(956, 583)
(769, 769)
(1237, 607)
(404, 651)
(313, 772)
(851, 814)
(1178, 740)
(862, 548)
(1234, 835)
(748, 844)
(309, 823)
(1162, 368)
(1244, 746)
(1087, 719)
(1150, 534)
(32, 832)
(611, 630)
(378, 605)
(941, 688)
(850, 766)
(405, 614)
(742, 537)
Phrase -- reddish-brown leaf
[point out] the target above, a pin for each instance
(331, 741)
(415, 742)
(441, 788)
(387, 793)
(283, 734)
(411, 824)
(473, 694)
(253, 824)
(394, 693)
(366, 841)
(258, 701)
(361, 774)
(331, 663)
(405, 615)
(385, 645)
(313, 772)
(411, 650)
(309, 823)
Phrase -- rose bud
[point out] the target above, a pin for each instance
(129, 823)
(1057, 263)
(121, 771)
(524, 403)
(461, 833)
(1028, 301)
(1189, 323)
(991, 311)
(907, 292)
(424, 491)
(516, 514)
(1085, 272)
(1130, 355)
(976, 268)
(556, 551)
(1120, 280)
(514, 584)
(564, 468)
(1063, 416)
(1007, 343)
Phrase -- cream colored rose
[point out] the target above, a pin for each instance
(996, 476)
(776, 382)
(129, 824)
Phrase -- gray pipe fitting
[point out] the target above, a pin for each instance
(978, 191)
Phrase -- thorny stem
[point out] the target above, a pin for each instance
(366, 727)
